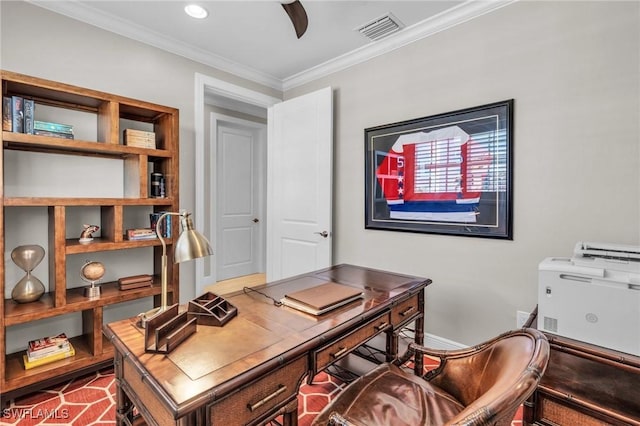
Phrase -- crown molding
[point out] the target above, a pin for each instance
(462, 13)
(455, 16)
(81, 12)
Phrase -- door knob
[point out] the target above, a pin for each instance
(256, 220)
(323, 234)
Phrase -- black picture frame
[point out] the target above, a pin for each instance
(449, 173)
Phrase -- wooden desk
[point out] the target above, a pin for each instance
(250, 370)
(585, 385)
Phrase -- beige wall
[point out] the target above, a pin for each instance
(573, 70)
(37, 42)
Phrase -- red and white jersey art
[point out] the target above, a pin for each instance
(436, 175)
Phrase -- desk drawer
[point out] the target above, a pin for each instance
(139, 389)
(405, 310)
(259, 397)
(329, 354)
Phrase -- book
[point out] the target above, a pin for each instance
(140, 142)
(133, 286)
(28, 108)
(139, 138)
(143, 238)
(17, 114)
(140, 133)
(135, 281)
(47, 345)
(140, 234)
(7, 109)
(165, 226)
(48, 359)
(37, 355)
(52, 134)
(52, 127)
(321, 298)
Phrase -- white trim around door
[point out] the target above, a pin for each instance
(205, 85)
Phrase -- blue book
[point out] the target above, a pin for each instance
(28, 108)
(165, 226)
(53, 127)
(17, 114)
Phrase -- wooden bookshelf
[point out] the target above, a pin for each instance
(109, 112)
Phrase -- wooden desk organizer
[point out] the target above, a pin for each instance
(211, 309)
(165, 331)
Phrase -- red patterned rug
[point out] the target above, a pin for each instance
(90, 400)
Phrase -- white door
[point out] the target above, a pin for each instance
(299, 185)
(239, 242)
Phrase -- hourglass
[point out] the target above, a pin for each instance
(29, 288)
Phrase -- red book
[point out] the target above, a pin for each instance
(48, 344)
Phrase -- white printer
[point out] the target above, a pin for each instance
(593, 296)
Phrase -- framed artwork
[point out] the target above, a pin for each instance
(449, 173)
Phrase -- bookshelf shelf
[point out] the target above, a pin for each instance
(100, 119)
(75, 301)
(22, 141)
(16, 375)
(99, 244)
(50, 201)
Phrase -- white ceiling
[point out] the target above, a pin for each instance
(256, 40)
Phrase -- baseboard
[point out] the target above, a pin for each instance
(436, 342)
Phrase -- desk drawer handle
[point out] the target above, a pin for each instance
(342, 351)
(281, 390)
(382, 326)
(408, 311)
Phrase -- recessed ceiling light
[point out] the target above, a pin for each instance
(196, 11)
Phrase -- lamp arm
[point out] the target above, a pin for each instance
(164, 289)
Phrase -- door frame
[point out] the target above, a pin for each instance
(261, 130)
(205, 273)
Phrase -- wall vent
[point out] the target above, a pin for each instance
(381, 27)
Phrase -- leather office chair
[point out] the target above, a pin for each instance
(481, 385)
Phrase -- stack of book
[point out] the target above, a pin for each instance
(322, 298)
(56, 130)
(140, 138)
(165, 226)
(135, 281)
(17, 114)
(137, 234)
(46, 350)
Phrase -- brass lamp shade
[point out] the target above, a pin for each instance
(191, 244)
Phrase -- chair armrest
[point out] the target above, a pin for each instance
(415, 350)
(443, 353)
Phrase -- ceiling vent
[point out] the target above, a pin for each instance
(381, 27)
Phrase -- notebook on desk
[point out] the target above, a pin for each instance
(321, 298)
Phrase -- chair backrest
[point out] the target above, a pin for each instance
(495, 378)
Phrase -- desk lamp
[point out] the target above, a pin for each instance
(190, 245)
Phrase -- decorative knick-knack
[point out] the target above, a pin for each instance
(92, 272)
(86, 236)
(29, 288)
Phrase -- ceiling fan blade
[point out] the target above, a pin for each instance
(298, 16)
